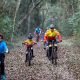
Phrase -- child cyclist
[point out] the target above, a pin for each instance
(29, 43)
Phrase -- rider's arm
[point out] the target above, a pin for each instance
(34, 42)
(3, 47)
(59, 36)
(6, 48)
(25, 42)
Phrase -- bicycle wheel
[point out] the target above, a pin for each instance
(52, 54)
(29, 58)
(55, 56)
(52, 58)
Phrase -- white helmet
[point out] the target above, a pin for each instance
(51, 26)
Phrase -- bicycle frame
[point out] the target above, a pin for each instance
(53, 52)
(29, 57)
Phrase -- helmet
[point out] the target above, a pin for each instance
(1, 36)
(51, 26)
(30, 36)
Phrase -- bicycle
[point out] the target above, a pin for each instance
(52, 52)
(29, 55)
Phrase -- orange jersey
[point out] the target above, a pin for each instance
(51, 35)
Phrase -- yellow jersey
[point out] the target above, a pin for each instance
(29, 42)
(53, 33)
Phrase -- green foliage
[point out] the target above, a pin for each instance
(6, 26)
(75, 21)
(66, 28)
(65, 13)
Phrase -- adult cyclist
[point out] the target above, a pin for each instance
(3, 51)
(52, 34)
(37, 33)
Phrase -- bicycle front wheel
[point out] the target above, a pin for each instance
(55, 56)
(29, 58)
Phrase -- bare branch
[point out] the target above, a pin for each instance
(26, 16)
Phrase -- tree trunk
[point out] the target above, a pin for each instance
(17, 7)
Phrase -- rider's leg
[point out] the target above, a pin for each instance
(50, 52)
(26, 55)
(44, 45)
(56, 48)
(2, 57)
(32, 53)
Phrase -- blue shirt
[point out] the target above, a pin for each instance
(3, 47)
(38, 30)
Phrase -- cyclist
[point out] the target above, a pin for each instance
(42, 34)
(37, 32)
(52, 34)
(29, 43)
(3, 51)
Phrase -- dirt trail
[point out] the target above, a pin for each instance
(41, 68)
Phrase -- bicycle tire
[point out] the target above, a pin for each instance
(29, 58)
(55, 56)
(52, 58)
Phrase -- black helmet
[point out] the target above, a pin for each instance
(51, 26)
(30, 36)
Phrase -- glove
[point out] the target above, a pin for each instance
(6, 51)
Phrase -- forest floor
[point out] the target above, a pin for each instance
(68, 67)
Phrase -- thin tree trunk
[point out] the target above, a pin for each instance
(33, 3)
(28, 24)
(31, 9)
(17, 7)
(74, 27)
